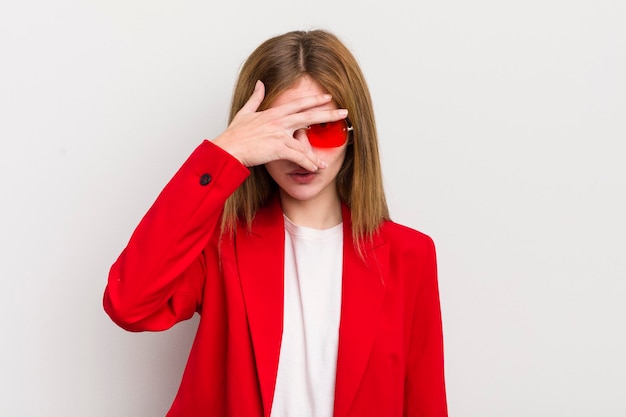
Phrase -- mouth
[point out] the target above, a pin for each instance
(300, 171)
(301, 176)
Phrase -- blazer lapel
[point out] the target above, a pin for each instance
(260, 256)
(363, 291)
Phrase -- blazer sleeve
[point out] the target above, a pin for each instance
(425, 394)
(158, 278)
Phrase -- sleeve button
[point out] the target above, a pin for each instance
(205, 179)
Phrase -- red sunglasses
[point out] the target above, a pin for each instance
(330, 134)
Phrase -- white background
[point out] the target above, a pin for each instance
(502, 126)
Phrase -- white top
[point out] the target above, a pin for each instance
(305, 385)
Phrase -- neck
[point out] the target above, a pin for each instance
(315, 213)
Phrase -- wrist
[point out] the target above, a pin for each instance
(226, 146)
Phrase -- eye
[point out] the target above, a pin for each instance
(328, 134)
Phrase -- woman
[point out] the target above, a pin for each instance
(312, 302)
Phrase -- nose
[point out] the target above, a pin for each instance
(300, 135)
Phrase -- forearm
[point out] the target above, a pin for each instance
(160, 271)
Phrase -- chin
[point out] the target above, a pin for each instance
(301, 193)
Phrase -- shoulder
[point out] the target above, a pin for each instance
(411, 256)
(402, 236)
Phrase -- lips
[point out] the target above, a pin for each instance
(302, 176)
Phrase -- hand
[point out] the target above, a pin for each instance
(255, 138)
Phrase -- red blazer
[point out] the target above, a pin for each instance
(390, 354)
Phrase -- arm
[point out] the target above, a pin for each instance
(425, 394)
(158, 278)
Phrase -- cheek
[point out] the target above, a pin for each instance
(273, 168)
(334, 156)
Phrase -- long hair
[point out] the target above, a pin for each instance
(279, 62)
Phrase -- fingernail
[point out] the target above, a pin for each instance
(257, 85)
(322, 164)
(327, 96)
(343, 112)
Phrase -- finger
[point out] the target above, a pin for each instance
(255, 99)
(308, 161)
(304, 155)
(300, 105)
(302, 120)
